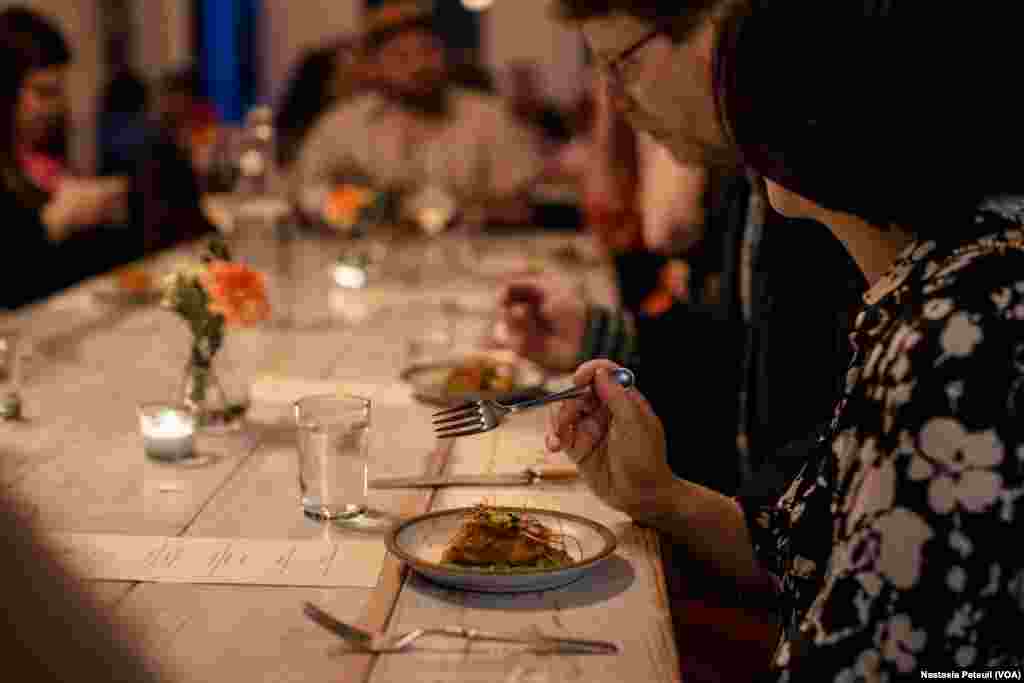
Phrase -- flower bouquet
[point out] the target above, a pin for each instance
(212, 295)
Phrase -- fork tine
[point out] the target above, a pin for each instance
(458, 417)
(469, 432)
(477, 420)
(456, 409)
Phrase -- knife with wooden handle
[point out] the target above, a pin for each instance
(527, 477)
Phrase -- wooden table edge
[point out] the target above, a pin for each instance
(667, 630)
(384, 598)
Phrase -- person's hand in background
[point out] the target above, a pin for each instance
(81, 203)
(544, 321)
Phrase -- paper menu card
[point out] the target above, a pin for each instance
(353, 562)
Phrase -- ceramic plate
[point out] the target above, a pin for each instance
(420, 543)
(429, 379)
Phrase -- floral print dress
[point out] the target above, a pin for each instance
(900, 545)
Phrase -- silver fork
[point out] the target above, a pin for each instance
(380, 643)
(483, 416)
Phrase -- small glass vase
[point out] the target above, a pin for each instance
(216, 392)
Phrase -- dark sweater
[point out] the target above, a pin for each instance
(164, 210)
(38, 267)
(695, 361)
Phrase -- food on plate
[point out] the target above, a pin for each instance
(134, 280)
(502, 540)
(481, 374)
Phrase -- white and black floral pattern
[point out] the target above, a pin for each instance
(899, 544)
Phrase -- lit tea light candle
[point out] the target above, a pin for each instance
(167, 432)
(10, 406)
(350, 276)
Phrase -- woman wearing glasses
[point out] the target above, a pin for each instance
(894, 551)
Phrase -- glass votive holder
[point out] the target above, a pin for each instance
(168, 431)
(10, 376)
(350, 274)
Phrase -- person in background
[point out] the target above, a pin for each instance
(188, 117)
(673, 202)
(465, 72)
(893, 550)
(165, 153)
(610, 181)
(324, 78)
(165, 202)
(124, 126)
(526, 99)
(603, 162)
(58, 224)
(569, 163)
(633, 195)
(418, 130)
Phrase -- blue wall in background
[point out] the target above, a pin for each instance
(227, 32)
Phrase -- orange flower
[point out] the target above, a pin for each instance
(345, 203)
(237, 292)
(134, 280)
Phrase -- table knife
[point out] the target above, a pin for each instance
(531, 475)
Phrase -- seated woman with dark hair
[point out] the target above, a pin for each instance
(57, 224)
(894, 550)
(123, 123)
(323, 78)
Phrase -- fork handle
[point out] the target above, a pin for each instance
(555, 472)
(475, 634)
(621, 376)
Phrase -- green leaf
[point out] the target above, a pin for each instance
(217, 250)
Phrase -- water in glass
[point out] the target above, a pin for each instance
(333, 445)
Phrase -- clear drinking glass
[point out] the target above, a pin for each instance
(334, 445)
(10, 376)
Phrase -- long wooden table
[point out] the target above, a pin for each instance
(77, 460)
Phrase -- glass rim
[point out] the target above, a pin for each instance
(146, 406)
(360, 401)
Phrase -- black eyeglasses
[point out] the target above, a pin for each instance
(614, 66)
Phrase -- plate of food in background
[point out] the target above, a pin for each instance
(577, 253)
(497, 375)
(501, 549)
(504, 266)
(130, 286)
